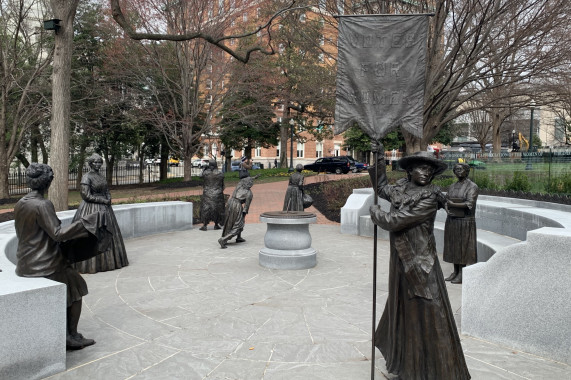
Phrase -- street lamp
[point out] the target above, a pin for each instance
(528, 166)
(292, 124)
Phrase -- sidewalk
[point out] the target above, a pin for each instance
(186, 309)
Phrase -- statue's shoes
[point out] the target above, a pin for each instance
(457, 280)
(217, 227)
(222, 243)
(203, 228)
(77, 342)
(451, 277)
(240, 240)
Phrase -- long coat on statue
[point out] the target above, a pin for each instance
(417, 334)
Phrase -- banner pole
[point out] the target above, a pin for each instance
(375, 202)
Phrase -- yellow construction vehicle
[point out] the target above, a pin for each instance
(523, 140)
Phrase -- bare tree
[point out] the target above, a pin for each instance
(476, 46)
(24, 60)
(155, 27)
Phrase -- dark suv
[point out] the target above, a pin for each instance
(338, 165)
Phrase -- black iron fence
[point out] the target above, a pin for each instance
(122, 175)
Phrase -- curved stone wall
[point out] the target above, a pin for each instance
(32, 310)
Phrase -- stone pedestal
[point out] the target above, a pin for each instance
(287, 240)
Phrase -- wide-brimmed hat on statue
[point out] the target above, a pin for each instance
(423, 158)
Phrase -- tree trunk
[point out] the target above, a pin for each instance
(81, 160)
(142, 164)
(61, 102)
(413, 144)
(109, 162)
(164, 161)
(4, 164)
(284, 135)
(187, 164)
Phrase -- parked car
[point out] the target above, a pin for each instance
(235, 166)
(174, 161)
(200, 163)
(360, 166)
(338, 165)
(152, 161)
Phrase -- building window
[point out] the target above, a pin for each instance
(322, 40)
(322, 4)
(232, 42)
(321, 57)
(220, 6)
(258, 152)
(245, 17)
(318, 149)
(214, 149)
(336, 150)
(222, 84)
(303, 17)
(258, 12)
(209, 99)
(281, 48)
(300, 149)
(209, 68)
(209, 84)
(278, 148)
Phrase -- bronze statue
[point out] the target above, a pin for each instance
(96, 197)
(236, 210)
(212, 204)
(417, 334)
(460, 245)
(40, 252)
(294, 194)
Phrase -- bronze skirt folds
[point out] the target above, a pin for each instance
(460, 244)
(116, 256)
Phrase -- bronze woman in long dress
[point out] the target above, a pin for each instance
(212, 204)
(417, 334)
(96, 197)
(460, 244)
(236, 209)
(294, 194)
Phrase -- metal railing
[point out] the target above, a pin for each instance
(122, 175)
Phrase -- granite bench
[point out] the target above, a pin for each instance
(33, 310)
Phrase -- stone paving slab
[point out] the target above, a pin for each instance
(186, 309)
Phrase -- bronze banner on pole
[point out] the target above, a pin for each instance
(380, 74)
(380, 86)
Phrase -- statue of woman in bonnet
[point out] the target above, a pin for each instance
(417, 334)
(96, 197)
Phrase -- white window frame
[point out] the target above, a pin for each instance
(300, 150)
(319, 149)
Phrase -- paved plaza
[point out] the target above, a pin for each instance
(186, 309)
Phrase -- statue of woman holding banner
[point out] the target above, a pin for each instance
(417, 334)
